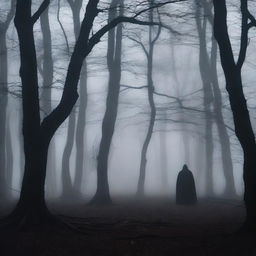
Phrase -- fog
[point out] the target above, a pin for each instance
(179, 134)
(127, 127)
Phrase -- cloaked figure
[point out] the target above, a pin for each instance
(185, 187)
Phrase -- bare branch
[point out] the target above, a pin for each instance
(244, 34)
(177, 121)
(97, 36)
(168, 96)
(159, 29)
(139, 43)
(252, 20)
(126, 87)
(157, 6)
(40, 10)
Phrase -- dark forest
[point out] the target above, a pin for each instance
(127, 127)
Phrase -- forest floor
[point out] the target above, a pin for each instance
(153, 226)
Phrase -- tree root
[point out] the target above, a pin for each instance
(100, 200)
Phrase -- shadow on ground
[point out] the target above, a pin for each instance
(149, 226)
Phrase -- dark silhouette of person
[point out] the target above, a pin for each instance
(185, 187)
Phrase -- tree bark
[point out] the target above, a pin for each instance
(3, 108)
(46, 96)
(163, 155)
(80, 131)
(21, 144)
(31, 207)
(227, 164)
(9, 157)
(218, 116)
(31, 204)
(102, 195)
(67, 187)
(75, 124)
(150, 83)
(6, 153)
(208, 100)
(241, 117)
(81, 118)
(143, 162)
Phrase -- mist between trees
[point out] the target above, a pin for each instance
(109, 98)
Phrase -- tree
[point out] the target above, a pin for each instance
(227, 164)
(234, 86)
(211, 63)
(163, 153)
(5, 153)
(81, 118)
(67, 187)
(31, 207)
(46, 96)
(149, 54)
(77, 131)
(208, 99)
(114, 52)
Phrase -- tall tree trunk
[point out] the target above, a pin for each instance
(67, 187)
(143, 161)
(114, 66)
(241, 117)
(208, 99)
(81, 118)
(227, 164)
(21, 144)
(31, 207)
(163, 154)
(47, 95)
(66, 176)
(9, 157)
(5, 153)
(75, 124)
(149, 54)
(31, 203)
(3, 108)
(80, 131)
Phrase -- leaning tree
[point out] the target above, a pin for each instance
(234, 86)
